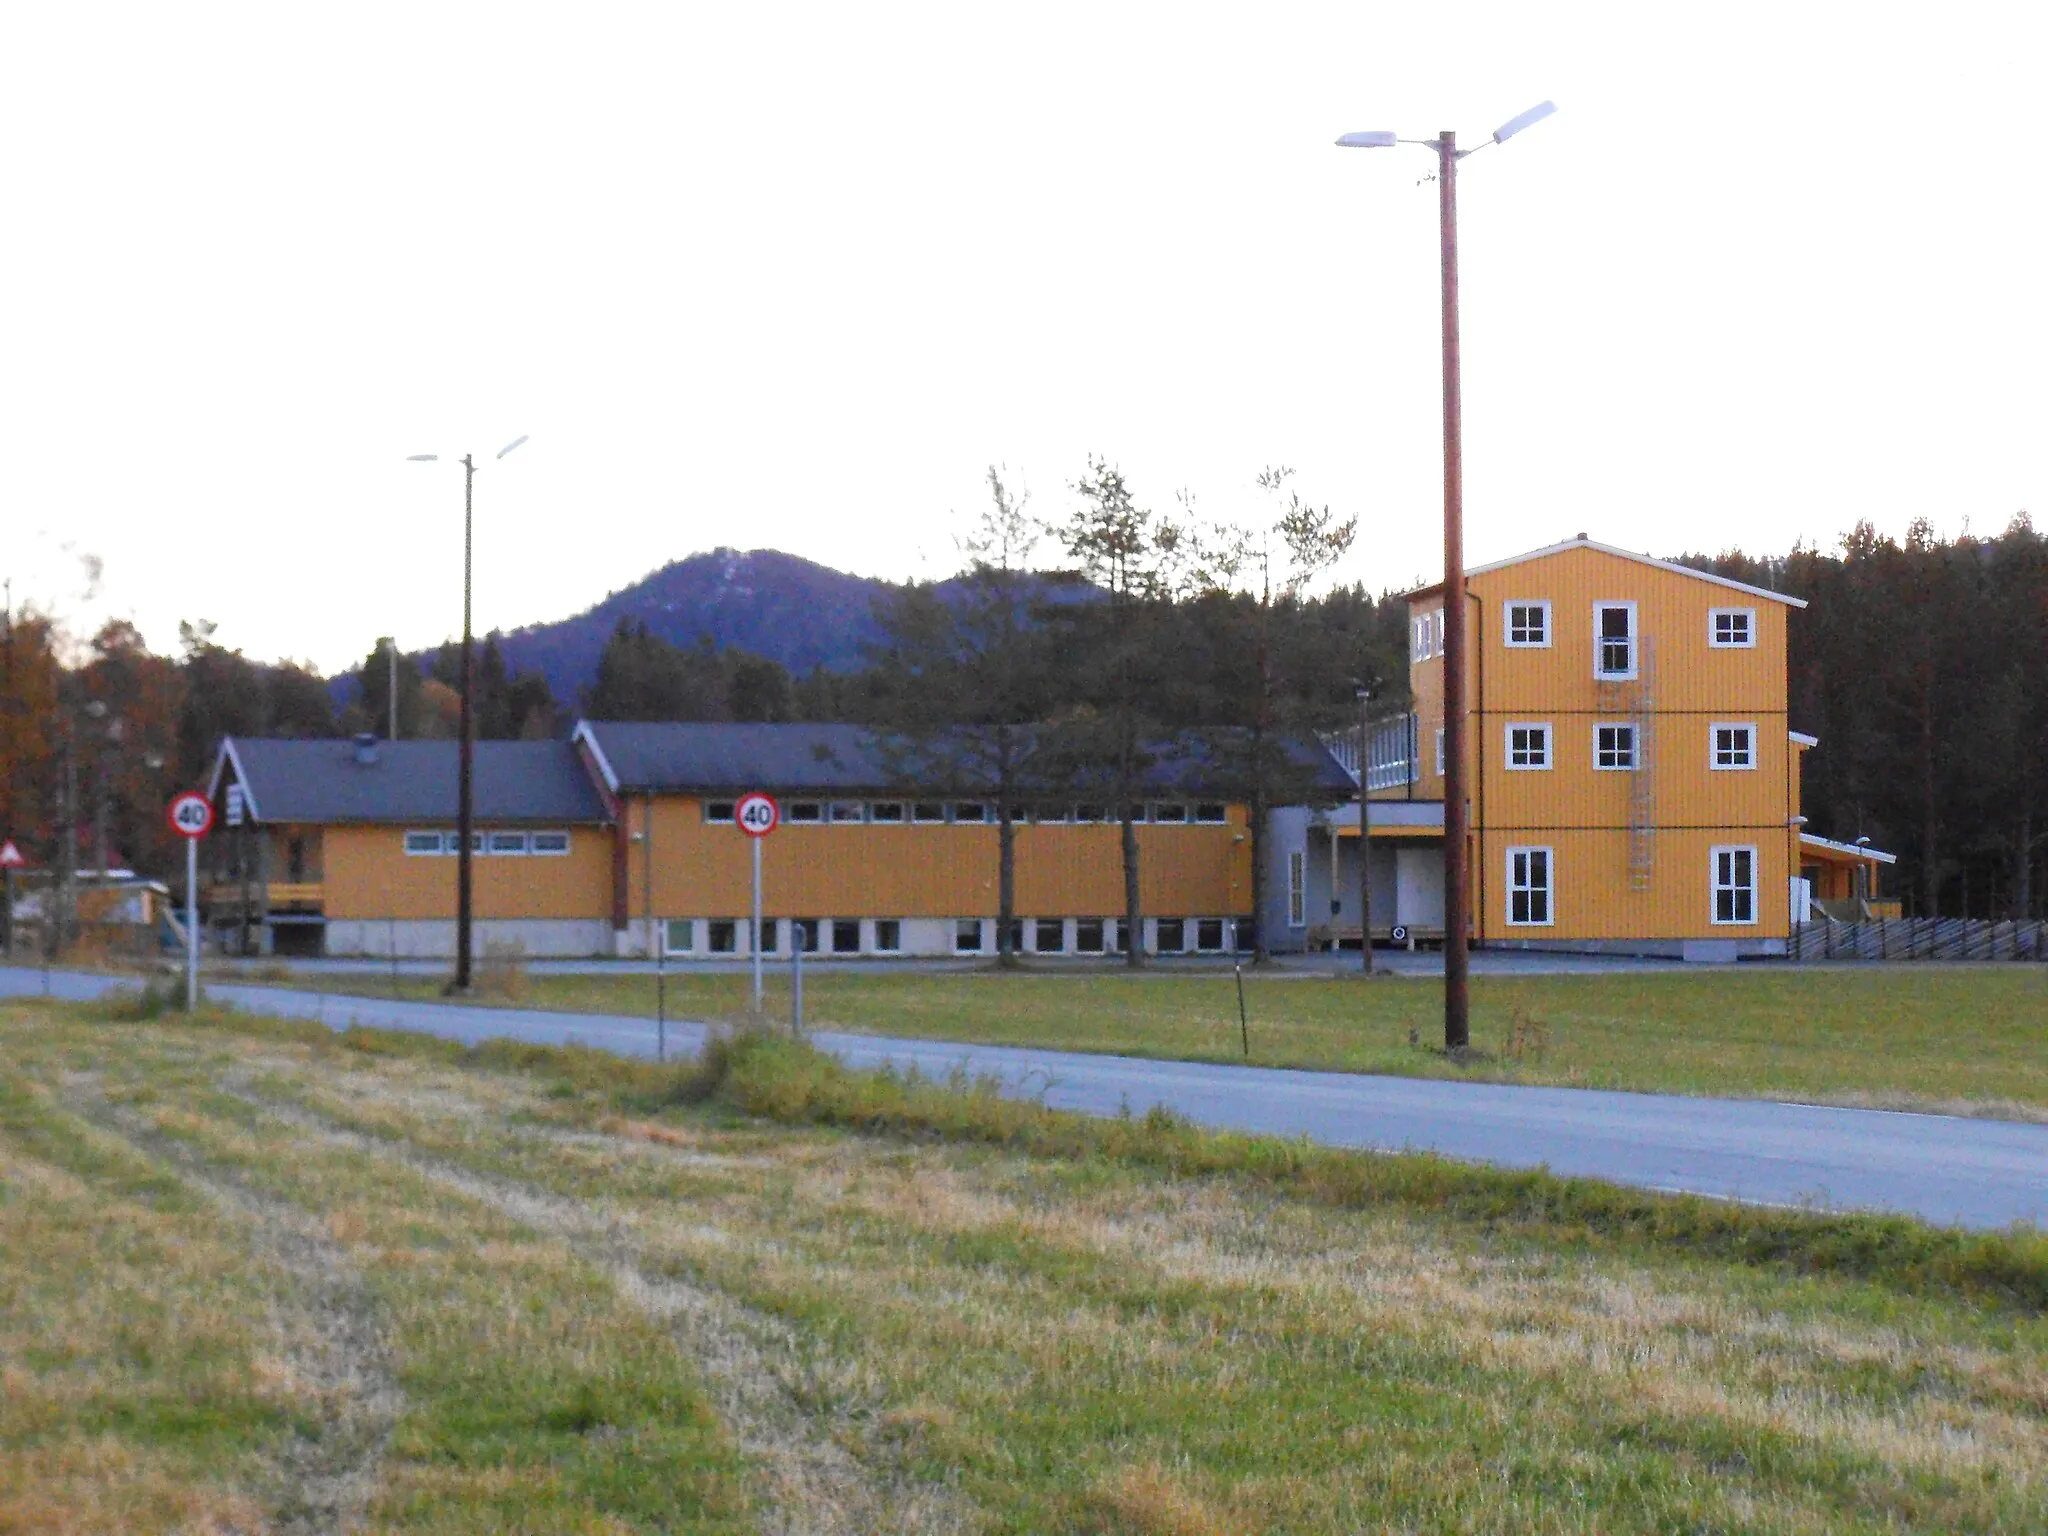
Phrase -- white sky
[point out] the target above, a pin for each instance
(792, 276)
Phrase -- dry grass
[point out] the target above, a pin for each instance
(934, 1335)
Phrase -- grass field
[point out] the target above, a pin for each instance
(253, 1276)
(1953, 1039)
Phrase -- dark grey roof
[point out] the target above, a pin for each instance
(321, 781)
(848, 759)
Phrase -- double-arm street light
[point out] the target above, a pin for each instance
(1457, 1024)
(465, 793)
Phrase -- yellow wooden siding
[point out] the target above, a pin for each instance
(370, 875)
(1689, 790)
(704, 869)
(1594, 899)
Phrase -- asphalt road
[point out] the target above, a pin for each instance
(1943, 1169)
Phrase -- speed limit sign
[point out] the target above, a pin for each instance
(191, 814)
(757, 814)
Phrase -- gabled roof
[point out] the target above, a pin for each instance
(1620, 554)
(707, 757)
(321, 781)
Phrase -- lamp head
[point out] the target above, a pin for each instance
(1377, 139)
(513, 444)
(1528, 119)
(421, 458)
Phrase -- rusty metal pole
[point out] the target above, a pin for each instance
(465, 787)
(1457, 1026)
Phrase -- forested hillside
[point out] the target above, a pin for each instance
(1922, 666)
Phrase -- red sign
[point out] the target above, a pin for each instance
(757, 814)
(10, 856)
(191, 814)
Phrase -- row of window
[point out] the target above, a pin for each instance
(1526, 625)
(896, 813)
(1530, 746)
(515, 844)
(1532, 873)
(1037, 935)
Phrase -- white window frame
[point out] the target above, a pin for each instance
(816, 818)
(688, 925)
(1748, 728)
(1635, 641)
(979, 810)
(889, 813)
(1419, 643)
(440, 843)
(960, 932)
(918, 817)
(1548, 749)
(888, 949)
(1507, 623)
(1614, 725)
(1714, 640)
(1439, 751)
(1170, 813)
(1297, 888)
(519, 845)
(713, 807)
(1715, 887)
(1548, 887)
(855, 813)
(1220, 819)
(533, 844)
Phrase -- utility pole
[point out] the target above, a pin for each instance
(465, 803)
(1364, 832)
(1457, 961)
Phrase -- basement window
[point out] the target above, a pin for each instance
(1734, 885)
(967, 936)
(1614, 748)
(804, 931)
(1734, 745)
(1529, 887)
(679, 935)
(550, 844)
(1088, 936)
(1731, 628)
(888, 813)
(806, 813)
(718, 812)
(1049, 936)
(845, 935)
(888, 936)
(722, 936)
(422, 842)
(1172, 935)
(971, 813)
(928, 812)
(508, 842)
(1527, 626)
(846, 812)
(1529, 745)
(1209, 935)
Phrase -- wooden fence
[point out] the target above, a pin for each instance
(1921, 938)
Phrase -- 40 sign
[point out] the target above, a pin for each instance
(757, 814)
(191, 814)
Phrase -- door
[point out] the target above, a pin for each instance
(1419, 886)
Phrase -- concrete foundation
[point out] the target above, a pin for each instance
(420, 939)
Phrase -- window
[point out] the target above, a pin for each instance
(1527, 625)
(970, 813)
(679, 935)
(1439, 749)
(848, 811)
(1734, 745)
(1529, 745)
(1297, 888)
(1137, 815)
(889, 813)
(719, 811)
(1614, 640)
(845, 935)
(1089, 814)
(1212, 813)
(1016, 935)
(550, 844)
(1731, 628)
(1173, 936)
(1529, 887)
(888, 936)
(1088, 936)
(508, 842)
(1209, 935)
(804, 931)
(967, 936)
(1421, 645)
(1170, 811)
(1050, 936)
(925, 812)
(722, 936)
(1046, 815)
(1734, 885)
(423, 842)
(1614, 748)
(803, 813)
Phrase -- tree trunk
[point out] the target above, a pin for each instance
(1134, 921)
(1006, 881)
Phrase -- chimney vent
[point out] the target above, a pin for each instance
(366, 748)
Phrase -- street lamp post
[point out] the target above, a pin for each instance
(1364, 831)
(1457, 964)
(465, 792)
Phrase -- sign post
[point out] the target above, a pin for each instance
(191, 817)
(757, 815)
(10, 861)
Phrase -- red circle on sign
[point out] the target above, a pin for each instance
(191, 814)
(757, 814)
